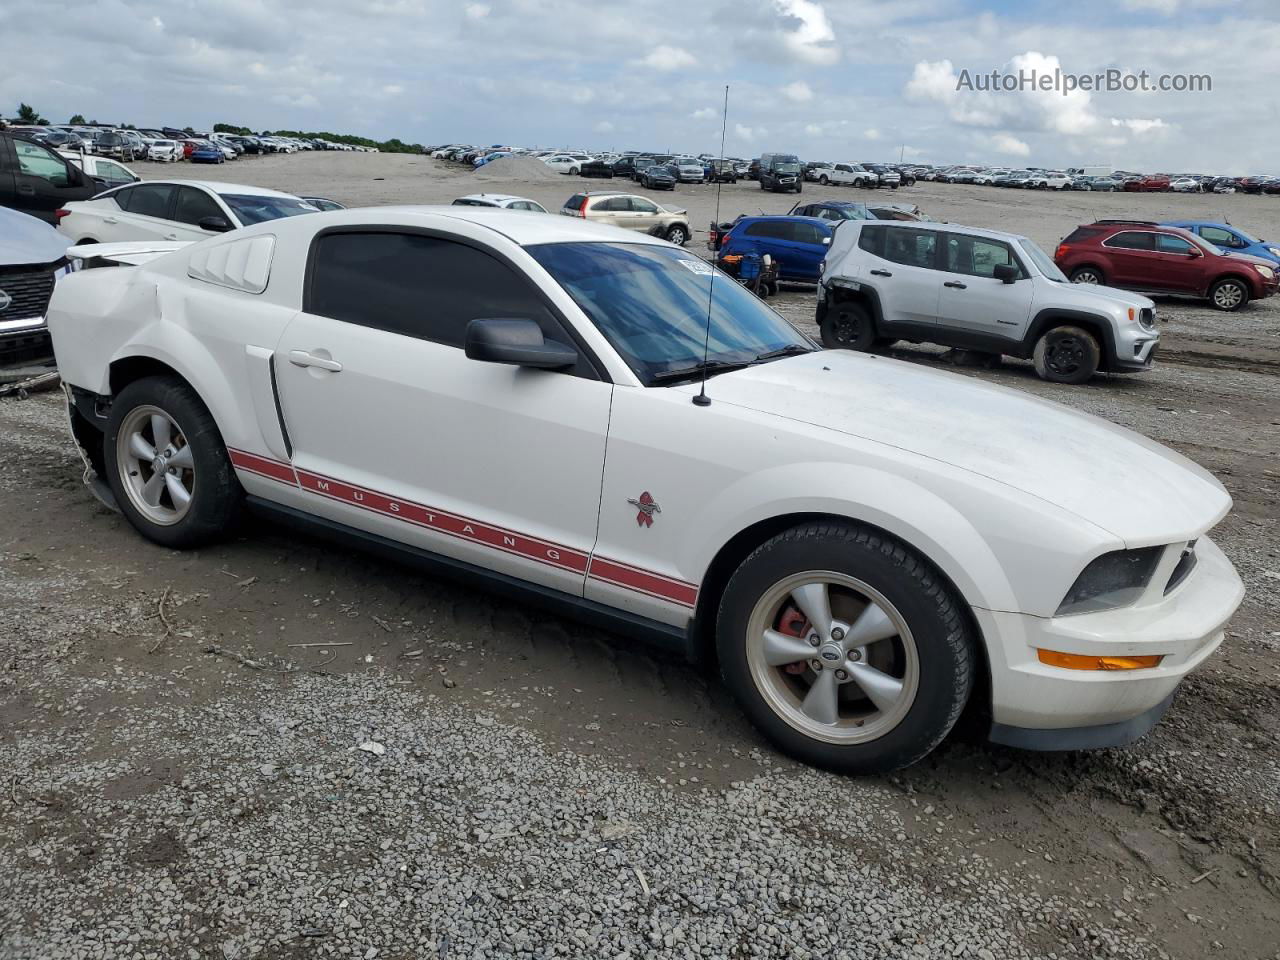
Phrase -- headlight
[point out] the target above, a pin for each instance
(1111, 581)
(1274, 251)
(1265, 271)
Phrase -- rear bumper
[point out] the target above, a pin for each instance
(1184, 627)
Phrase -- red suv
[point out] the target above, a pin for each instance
(1148, 183)
(1138, 255)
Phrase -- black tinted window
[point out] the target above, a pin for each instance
(147, 200)
(1133, 240)
(914, 248)
(772, 229)
(418, 286)
(871, 239)
(194, 205)
(807, 233)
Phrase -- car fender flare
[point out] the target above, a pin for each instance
(865, 293)
(916, 516)
(1095, 323)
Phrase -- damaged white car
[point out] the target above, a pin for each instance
(867, 547)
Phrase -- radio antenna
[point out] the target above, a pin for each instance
(702, 400)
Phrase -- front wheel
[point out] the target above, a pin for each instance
(845, 648)
(1230, 294)
(1067, 355)
(678, 234)
(167, 465)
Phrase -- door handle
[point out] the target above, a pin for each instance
(956, 285)
(26, 191)
(110, 220)
(881, 273)
(300, 358)
(171, 236)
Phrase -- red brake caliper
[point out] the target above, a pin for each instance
(793, 624)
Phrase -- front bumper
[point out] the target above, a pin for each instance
(1046, 702)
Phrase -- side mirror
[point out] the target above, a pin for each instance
(214, 224)
(1194, 254)
(516, 342)
(1005, 272)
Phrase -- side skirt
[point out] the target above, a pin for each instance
(586, 611)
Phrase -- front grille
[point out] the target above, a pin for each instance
(29, 289)
(1186, 563)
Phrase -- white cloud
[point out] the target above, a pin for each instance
(706, 113)
(810, 36)
(666, 58)
(798, 92)
(1140, 126)
(477, 11)
(1010, 145)
(748, 134)
(392, 89)
(871, 133)
(604, 126)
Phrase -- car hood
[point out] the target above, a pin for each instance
(1106, 296)
(24, 239)
(1248, 258)
(1131, 486)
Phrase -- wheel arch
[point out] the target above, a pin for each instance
(1097, 325)
(1233, 275)
(866, 295)
(740, 546)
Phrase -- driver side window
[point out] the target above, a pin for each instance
(1220, 237)
(35, 161)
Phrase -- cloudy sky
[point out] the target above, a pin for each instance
(830, 79)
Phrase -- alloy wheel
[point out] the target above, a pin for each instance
(157, 469)
(832, 657)
(1228, 296)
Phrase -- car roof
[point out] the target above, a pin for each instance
(492, 197)
(242, 189)
(941, 228)
(786, 216)
(516, 225)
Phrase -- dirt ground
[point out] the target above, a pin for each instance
(179, 779)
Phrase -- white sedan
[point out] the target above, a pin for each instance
(164, 151)
(864, 545)
(503, 201)
(1185, 185)
(569, 163)
(174, 210)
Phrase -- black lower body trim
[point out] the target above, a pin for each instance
(1081, 738)
(577, 608)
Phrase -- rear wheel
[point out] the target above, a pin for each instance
(1229, 294)
(845, 648)
(848, 326)
(167, 464)
(824, 180)
(1067, 355)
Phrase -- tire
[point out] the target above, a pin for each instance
(1067, 355)
(921, 665)
(1230, 294)
(207, 475)
(1090, 275)
(848, 326)
(573, 171)
(678, 234)
(824, 180)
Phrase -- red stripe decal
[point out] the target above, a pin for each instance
(272, 469)
(532, 548)
(464, 528)
(642, 581)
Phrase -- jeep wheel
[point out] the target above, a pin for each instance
(167, 465)
(1067, 355)
(845, 648)
(678, 234)
(848, 326)
(1087, 275)
(1229, 294)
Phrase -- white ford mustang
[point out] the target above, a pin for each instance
(864, 545)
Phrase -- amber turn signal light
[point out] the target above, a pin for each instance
(1076, 661)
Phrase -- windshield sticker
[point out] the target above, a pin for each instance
(700, 267)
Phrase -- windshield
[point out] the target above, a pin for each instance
(849, 211)
(651, 304)
(251, 209)
(1044, 263)
(786, 168)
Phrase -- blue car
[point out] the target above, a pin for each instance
(479, 162)
(207, 153)
(797, 244)
(1229, 238)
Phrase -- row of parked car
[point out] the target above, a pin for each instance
(168, 144)
(1095, 179)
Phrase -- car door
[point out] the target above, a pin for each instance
(1177, 263)
(146, 213)
(971, 298)
(809, 243)
(112, 173)
(615, 211)
(900, 265)
(43, 181)
(190, 207)
(1132, 255)
(396, 432)
(644, 214)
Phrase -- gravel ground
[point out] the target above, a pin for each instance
(454, 775)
